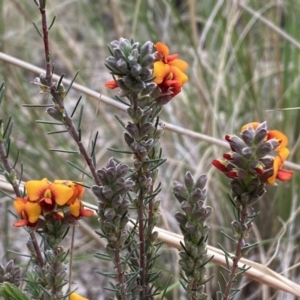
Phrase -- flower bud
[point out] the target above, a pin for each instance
(198, 194)
(133, 59)
(190, 227)
(128, 139)
(264, 148)
(132, 130)
(180, 191)
(186, 207)
(138, 86)
(135, 114)
(146, 74)
(146, 48)
(111, 63)
(136, 70)
(248, 136)
(201, 181)
(147, 90)
(128, 81)
(125, 44)
(235, 143)
(181, 218)
(145, 129)
(147, 60)
(247, 152)
(107, 192)
(260, 135)
(189, 181)
(54, 113)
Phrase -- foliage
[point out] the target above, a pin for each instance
(241, 66)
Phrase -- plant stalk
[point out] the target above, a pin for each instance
(238, 253)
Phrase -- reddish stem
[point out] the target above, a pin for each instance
(59, 101)
(238, 254)
(46, 40)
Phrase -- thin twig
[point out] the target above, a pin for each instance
(59, 101)
(238, 254)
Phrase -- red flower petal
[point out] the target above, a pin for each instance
(111, 84)
(284, 175)
(220, 165)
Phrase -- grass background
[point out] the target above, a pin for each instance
(240, 68)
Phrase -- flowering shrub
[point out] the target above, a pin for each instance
(147, 77)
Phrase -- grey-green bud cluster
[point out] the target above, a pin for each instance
(10, 273)
(131, 64)
(193, 256)
(113, 202)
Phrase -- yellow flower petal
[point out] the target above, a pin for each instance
(179, 63)
(75, 296)
(19, 205)
(36, 188)
(283, 153)
(276, 165)
(33, 211)
(161, 71)
(61, 193)
(75, 208)
(78, 189)
(179, 76)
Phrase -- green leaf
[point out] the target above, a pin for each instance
(11, 292)
(72, 81)
(2, 89)
(37, 29)
(76, 105)
(119, 151)
(53, 20)
(49, 122)
(59, 131)
(80, 117)
(60, 81)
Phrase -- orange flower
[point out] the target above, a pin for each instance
(78, 189)
(282, 150)
(77, 210)
(47, 193)
(28, 211)
(168, 72)
(75, 296)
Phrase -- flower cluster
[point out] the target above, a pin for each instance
(10, 273)
(131, 65)
(192, 219)
(60, 198)
(248, 155)
(137, 69)
(168, 71)
(113, 203)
